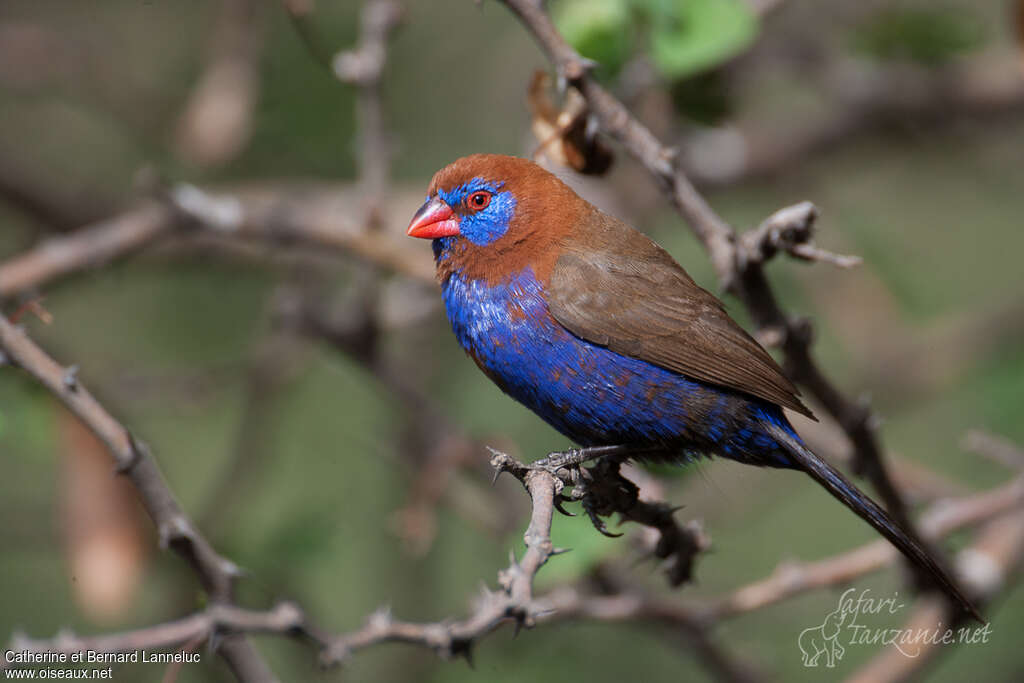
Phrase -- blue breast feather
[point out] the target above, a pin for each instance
(593, 395)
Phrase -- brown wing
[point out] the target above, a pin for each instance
(615, 287)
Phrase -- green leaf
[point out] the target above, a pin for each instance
(692, 36)
(598, 30)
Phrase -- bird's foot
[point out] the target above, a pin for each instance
(574, 457)
(602, 490)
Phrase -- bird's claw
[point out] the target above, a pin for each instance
(597, 521)
(558, 506)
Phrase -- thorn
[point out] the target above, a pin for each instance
(175, 528)
(380, 619)
(575, 69)
(560, 551)
(70, 378)
(335, 654)
(499, 461)
(137, 448)
(231, 570)
(463, 648)
(214, 640)
(541, 613)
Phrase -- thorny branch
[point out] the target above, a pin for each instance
(133, 459)
(738, 260)
(998, 509)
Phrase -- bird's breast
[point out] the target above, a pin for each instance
(587, 392)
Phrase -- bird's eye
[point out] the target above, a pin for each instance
(478, 201)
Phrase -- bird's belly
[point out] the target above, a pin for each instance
(592, 395)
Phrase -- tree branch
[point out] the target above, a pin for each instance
(133, 459)
(319, 217)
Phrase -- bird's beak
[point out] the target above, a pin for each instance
(434, 219)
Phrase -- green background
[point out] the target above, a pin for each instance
(936, 212)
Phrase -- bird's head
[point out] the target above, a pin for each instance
(490, 215)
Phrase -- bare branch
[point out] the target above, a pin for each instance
(321, 217)
(987, 562)
(791, 230)
(994, 447)
(214, 620)
(217, 119)
(514, 602)
(943, 518)
(132, 458)
(85, 248)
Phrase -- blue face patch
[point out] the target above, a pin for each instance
(483, 227)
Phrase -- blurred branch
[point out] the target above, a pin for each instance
(739, 268)
(216, 620)
(991, 559)
(994, 447)
(863, 98)
(85, 248)
(133, 459)
(618, 602)
(362, 67)
(790, 579)
(319, 217)
(41, 202)
(217, 120)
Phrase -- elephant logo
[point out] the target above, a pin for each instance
(823, 640)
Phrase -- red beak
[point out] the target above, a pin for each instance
(434, 219)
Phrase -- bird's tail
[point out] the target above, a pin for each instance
(855, 499)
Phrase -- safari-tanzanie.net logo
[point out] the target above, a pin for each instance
(848, 625)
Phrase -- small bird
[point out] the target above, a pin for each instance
(596, 329)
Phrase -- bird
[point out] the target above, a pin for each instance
(599, 331)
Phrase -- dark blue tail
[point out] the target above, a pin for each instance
(855, 499)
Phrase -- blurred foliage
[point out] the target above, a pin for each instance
(683, 38)
(705, 99)
(599, 29)
(692, 36)
(927, 35)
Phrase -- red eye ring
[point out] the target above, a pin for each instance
(478, 201)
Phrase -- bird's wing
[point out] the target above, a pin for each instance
(615, 287)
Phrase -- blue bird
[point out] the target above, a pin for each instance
(601, 333)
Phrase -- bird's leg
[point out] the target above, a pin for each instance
(574, 457)
(602, 490)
